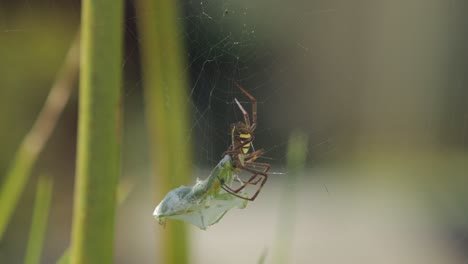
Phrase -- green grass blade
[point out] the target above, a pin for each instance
(123, 190)
(296, 156)
(65, 258)
(33, 143)
(166, 110)
(98, 151)
(262, 258)
(39, 220)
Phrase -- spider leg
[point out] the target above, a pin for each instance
(266, 167)
(232, 192)
(249, 181)
(252, 156)
(254, 106)
(260, 188)
(246, 115)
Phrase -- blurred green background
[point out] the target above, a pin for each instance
(380, 88)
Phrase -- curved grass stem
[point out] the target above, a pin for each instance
(34, 142)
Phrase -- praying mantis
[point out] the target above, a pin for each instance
(203, 204)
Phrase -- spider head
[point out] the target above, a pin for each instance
(242, 136)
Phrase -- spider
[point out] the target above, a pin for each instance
(242, 136)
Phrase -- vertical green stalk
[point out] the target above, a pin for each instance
(123, 190)
(39, 220)
(166, 107)
(296, 156)
(34, 142)
(98, 156)
(65, 258)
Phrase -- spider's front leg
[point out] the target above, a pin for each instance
(236, 191)
(249, 159)
(266, 167)
(255, 173)
(254, 107)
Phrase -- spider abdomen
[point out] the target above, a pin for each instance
(246, 147)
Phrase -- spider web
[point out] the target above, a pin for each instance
(228, 43)
(224, 47)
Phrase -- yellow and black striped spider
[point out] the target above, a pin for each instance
(242, 136)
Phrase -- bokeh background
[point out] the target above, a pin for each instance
(380, 88)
